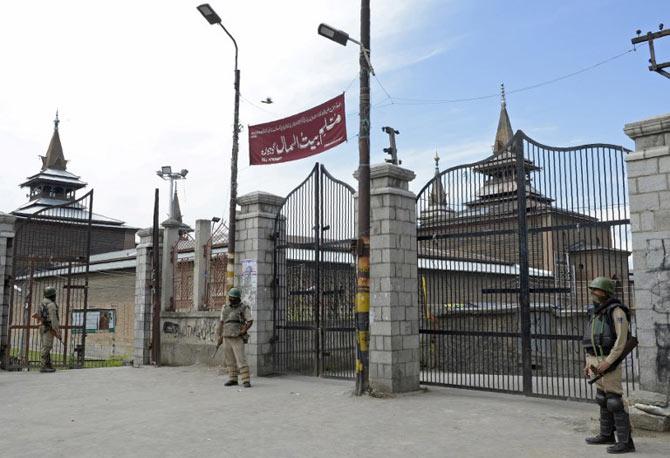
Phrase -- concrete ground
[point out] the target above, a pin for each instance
(184, 412)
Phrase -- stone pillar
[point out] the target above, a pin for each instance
(170, 238)
(203, 231)
(394, 313)
(648, 176)
(143, 298)
(254, 256)
(7, 233)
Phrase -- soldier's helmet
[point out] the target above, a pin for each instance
(235, 293)
(50, 292)
(603, 284)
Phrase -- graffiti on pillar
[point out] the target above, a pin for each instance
(249, 282)
(658, 264)
(170, 328)
(662, 332)
(200, 329)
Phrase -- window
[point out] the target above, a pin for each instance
(97, 320)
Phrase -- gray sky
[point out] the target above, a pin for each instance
(144, 83)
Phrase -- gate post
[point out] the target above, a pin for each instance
(170, 238)
(649, 190)
(7, 233)
(203, 230)
(254, 248)
(394, 317)
(143, 297)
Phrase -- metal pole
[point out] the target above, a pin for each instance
(156, 290)
(230, 268)
(524, 283)
(171, 198)
(363, 246)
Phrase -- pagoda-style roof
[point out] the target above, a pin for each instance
(74, 212)
(53, 190)
(56, 177)
(504, 161)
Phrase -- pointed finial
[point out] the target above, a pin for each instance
(437, 161)
(502, 95)
(56, 121)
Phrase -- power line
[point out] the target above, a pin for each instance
(412, 101)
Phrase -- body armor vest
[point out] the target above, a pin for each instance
(600, 334)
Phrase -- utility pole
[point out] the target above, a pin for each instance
(392, 150)
(210, 15)
(649, 38)
(362, 305)
(363, 270)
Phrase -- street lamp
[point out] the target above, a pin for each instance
(363, 244)
(213, 18)
(166, 173)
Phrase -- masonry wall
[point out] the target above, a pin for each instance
(649, 188)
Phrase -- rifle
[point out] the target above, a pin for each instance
(215, 350)
(54, 332)
(631, 343)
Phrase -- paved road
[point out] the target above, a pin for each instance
(187, 412)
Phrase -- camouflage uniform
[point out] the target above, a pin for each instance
(49, 323)
(234, 316)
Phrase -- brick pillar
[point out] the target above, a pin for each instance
(648, 176)
(394, 314)
(7, 233)
(254, 256)
(143, 298)
(170, 238)
(203, 230)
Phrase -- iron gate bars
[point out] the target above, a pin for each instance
(51, 248)
(315, 279)
(506, 248)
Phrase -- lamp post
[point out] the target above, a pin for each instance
(362, 308)
(166, 173)
(213, 18)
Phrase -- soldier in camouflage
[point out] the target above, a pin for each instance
(606, 335)
(235, 321)
(49, 327)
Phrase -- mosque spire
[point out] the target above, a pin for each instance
(504, 133)
(54, 159)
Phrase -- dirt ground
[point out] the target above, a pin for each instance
(184, 412)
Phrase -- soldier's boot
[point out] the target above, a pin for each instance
(624, 442)
(606, 435)
(246, 377)
(46, 364)
(232, 376)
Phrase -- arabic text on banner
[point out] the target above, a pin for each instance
(304, 134)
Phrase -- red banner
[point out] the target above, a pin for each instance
(304, 134)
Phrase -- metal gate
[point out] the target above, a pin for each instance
(315, 279)
(51, 248)
(507, 247)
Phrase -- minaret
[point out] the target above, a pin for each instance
(504, 133)
(438, 197)
(498, 194)
(53, 184)
(54, 159)
(438, 210)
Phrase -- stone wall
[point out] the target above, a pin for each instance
(648, 181)
(7, 234)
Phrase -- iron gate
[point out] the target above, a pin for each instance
(507, 247)
(51, 248)
(315, 279)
